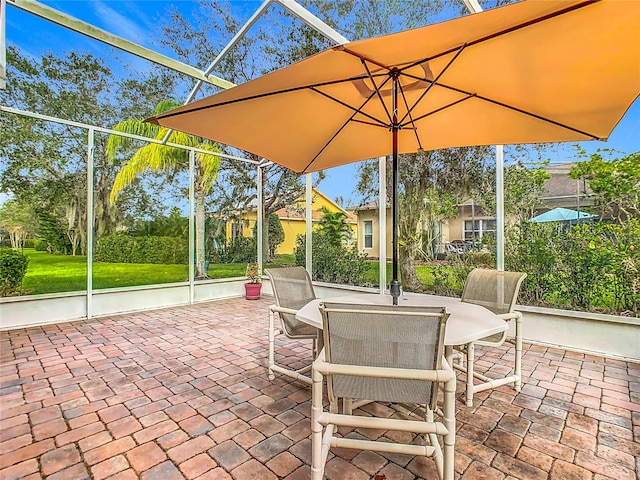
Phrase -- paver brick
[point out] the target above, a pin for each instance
(190, 448)
(183, 393)
(145, 456)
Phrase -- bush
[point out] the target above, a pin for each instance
(13, 267)
(333, 263)
(591, 266)
(238, 250)
(29, 243)
(40, 245)
(122, 248)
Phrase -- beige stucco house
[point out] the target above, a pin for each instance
(472, 221)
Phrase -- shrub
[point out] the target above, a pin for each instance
(29, 243)
(13, 267)
(238, 250)
(122, 248)
(40, 245)
(332, 263)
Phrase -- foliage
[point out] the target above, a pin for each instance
(45, 162)
(588, 267)
(13, 267)
(17, 218)
(170, 160)
(174, 225)
(40, 245)
(237, 250)
(424, 179)
(123, 248)
(523, 191)
(334, 228)
(276, 234)
(332, 263)
(52, 231)
(616, 184)
(253, 273)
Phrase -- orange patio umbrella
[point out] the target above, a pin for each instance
(531, 72)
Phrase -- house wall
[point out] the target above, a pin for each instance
(293, 221)
(372, 215)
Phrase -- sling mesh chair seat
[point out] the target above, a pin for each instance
(498, 292)
(389, 354)
(292, 289)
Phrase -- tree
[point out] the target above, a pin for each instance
(523, 191)
(159, 157)
(424, 178)
(45, 163)
(333, 227)
(18, 219)
(276, 234)
(615, 183)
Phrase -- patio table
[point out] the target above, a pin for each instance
(467, 322)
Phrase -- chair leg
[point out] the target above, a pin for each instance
(518, 360)
(470, 357)
(449, 421)
(317, 467)
(272, 336)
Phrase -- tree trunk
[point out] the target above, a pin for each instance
(201, 273)
(266, 257)
(410, 282)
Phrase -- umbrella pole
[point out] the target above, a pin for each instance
(394, 287)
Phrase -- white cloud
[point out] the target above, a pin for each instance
(117, 23)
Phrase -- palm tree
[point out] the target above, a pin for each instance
(171, 160)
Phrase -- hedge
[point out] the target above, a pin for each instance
(13, 267)
(123, 248)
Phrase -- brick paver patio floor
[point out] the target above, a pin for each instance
(183, 393)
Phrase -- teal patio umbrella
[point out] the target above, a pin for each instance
(561, 215)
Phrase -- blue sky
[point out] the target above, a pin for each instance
(137, 21)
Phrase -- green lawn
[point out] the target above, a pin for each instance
(63, 273)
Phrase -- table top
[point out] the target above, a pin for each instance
(467, 322)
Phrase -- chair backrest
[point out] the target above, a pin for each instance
(497, 291)
(293, 289)
(405, 337)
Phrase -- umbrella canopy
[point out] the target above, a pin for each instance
(530, 72)
(535, 71)
(560, 215)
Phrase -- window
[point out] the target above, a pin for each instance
(368, 234)
(475, 229)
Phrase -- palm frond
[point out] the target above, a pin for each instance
(133, 126)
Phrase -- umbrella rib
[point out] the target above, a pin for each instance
(436, 111)
(433, 82)
(415, 130)
(377, 88)
(504, 105)
(350, 107)
(356, 111)
(262, 95)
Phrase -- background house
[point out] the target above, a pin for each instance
(292, 218)
(472, 220)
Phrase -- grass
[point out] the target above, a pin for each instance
(63, 273)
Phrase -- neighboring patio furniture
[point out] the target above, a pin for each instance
(292, 289)
(498, 292)
(390, 354)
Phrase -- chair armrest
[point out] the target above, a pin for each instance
(510, 315)
(276, 308)
(325, 368)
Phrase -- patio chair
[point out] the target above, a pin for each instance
(383, 353)
(498, 292)
(292, 289)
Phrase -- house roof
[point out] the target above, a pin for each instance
(560, 185)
